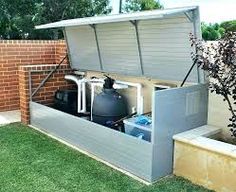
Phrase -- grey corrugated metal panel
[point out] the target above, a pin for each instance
(167, 65)
(198, 34)
(153, 29)
(155, 39)
(169, 19)
(180, 32)
(124, 151)
(172, 72)
(144, 15)
(161, 26)
(167, 48)
(157, 43)
(172, 76)
(175, 110)
(172, 32)
(178, 109)
(159, 55)
(118, 48)
(84, 56)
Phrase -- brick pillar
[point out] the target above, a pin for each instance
(45, 95)
(24, 94)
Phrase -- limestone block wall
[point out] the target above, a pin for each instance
(209, 169)
(205, 161)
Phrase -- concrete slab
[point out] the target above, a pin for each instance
(7, 117)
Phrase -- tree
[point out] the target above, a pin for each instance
(229, 26)
(212, 32)
(15, 17)
(18, 17)
(141, 5)
(219, 61)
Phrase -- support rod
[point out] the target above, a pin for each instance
(190, 70)
(98, 47)
(190, 18)
(48, 76)
(135, 24)
(120, 7)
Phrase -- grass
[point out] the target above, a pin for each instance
(31, 161)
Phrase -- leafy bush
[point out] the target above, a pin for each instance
(219, 62)
(212, 32)
(141, 5)
(229, 26)
(18, 17)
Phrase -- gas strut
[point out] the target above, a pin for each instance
(48, 76)
(190, 70)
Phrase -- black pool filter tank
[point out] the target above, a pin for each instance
(108, 106)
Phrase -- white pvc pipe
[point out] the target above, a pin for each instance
(83, 110)
(81, 87)
(139, 96)
(81, 83)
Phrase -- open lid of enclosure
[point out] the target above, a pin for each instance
(154, 44)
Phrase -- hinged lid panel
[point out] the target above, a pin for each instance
(153, 43)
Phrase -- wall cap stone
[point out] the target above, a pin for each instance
(199, 137)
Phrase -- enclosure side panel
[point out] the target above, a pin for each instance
(119, 49)
(124, 151)
(166, 49)
(175, 111)
(82, 48)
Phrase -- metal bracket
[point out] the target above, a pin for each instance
(194, 16)
(67, 47)
(98, 47)
(135, 24)
(189, 16)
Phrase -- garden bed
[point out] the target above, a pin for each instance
(205, 160)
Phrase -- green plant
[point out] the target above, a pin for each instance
(218, 60)
(212, 32)
(18, 17)
(229, 26)
(141, 5)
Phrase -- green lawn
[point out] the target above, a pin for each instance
(30, 161)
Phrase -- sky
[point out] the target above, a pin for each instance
(211, 11)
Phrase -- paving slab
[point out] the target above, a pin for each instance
(7, 117)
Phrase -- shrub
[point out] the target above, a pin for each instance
(218, 60)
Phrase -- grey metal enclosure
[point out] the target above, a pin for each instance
(174, 111)
(152, 44)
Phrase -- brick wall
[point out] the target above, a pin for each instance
(14, 53)
(46, 94)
